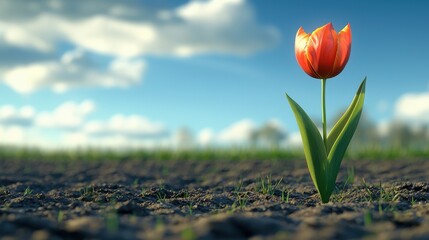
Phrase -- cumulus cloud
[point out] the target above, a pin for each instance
(132, 126)
(223, 26)
(383, 128)
(14, 116)
(69, 115)
(119, 131)
(74, 70)
(206, 137)
(238, 132)
(294, 140)
(227, 26)
(14, 135)
(198, 11)
(275, 123)
(25, 136)
(124, 32)
(100, 34)
(413, 107)
(110, 36)
(25, 126)
(29, 9)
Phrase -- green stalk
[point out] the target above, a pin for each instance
(324, 112)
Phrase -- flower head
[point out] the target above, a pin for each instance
(323, 53)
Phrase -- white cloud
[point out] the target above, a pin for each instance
(294, 140)
(14, 135)
(105, 35)
(68, 126)
(413, 107)
(127, 69)
(11, 115)
(206, 137)
(24, 135)
(132, 126)
(119, 132)
(275, 123)
(383, 127)
(74, 70)
(226, 26)
(238, 132)
(68, 116)
(125, 32)
(99, 34)
(206, 12)
(38, 33)
(223, 26)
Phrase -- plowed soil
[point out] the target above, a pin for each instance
(211, 200)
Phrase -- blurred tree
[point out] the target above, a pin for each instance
(268, 135)
(253, 138)
(366, 135)
(400, 135)
(184, 139)
(420, 136)
(409, 135)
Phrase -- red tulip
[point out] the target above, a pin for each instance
(323, 54)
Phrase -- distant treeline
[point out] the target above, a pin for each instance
(368, 136)
(268, 142)
(390, 135)
(206, 154)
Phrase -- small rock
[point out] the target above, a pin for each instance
(236, 227)
(91, 224)
(404, 220)
(40, 235)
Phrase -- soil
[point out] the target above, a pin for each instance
(211, 200)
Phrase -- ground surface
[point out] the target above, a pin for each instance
(211, 200)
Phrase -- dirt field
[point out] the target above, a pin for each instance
(211, 200)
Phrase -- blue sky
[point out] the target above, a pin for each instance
(133, 73)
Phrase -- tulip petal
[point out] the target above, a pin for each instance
(343, 51)
(301, 41)
(322, 49)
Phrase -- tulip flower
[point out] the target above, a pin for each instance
(323, 54)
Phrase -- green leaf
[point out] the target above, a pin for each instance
(339, 126)
(341, 134)
(314, 149)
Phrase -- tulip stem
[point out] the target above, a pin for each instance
(324, 112)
